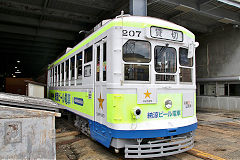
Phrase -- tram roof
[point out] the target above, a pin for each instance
(127, 21)
(38, 32)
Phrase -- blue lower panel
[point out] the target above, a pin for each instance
(100, 133)
(104, 135)
(132, 134)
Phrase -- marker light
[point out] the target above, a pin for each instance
(168, 104)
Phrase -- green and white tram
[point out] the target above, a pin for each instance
(131, 84)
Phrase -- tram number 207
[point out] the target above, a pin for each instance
(131, 33)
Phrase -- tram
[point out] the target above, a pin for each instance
(131, 84)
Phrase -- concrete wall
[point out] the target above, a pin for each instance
(218, 56)
(219, 53)
(222, 103)
(27, 133)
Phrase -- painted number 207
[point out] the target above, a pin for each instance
(131, 33)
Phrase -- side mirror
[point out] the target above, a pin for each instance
(191, 48)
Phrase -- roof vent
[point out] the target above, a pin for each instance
(68, 49)
(101, 24)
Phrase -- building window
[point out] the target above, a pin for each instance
(234, 89)
(201, 89)
(226, 89)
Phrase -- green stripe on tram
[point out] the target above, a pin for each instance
(78, 101)
(120, 108)
(112, 24)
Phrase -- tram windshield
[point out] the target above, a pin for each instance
(165, 59)
(135, 51)
(137, 61)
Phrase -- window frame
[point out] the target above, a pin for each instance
(175, 74)
(137, 63)
(78, 79)
(104, 49)
(150, 48)
(72, 68)
(85, 53)
(187, 67)
(180, 61)
(176, 65)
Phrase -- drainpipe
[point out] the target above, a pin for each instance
(219, 79)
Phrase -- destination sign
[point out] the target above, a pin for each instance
(168, 34)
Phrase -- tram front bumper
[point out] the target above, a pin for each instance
(159, 148)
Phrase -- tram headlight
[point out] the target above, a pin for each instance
(137, 112)
(168, 104)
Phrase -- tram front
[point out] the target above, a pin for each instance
(153, 88)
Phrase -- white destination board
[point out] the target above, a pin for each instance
(168, 34)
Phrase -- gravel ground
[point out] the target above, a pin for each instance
(217, 134)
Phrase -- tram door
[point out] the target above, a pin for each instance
(100, 110)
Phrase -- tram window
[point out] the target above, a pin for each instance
(165, 59)
(52, 76)
(79, 65)
(137, 51)
(136, 72)
(87, 70)
(183, 58)
(50, 72)
(165, 77)
(67, 69)
(104, 61)
(55, 76)
(72, 68)
(98, 64)
(58, 70)
(185, 74)
(62, 71)
(88, 54)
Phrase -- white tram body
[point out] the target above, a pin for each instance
(131, 84)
